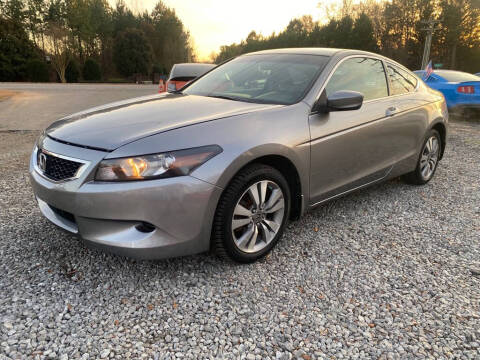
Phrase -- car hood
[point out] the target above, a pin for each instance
(113, 125)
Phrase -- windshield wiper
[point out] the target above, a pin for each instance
(226, 97)
(248, 100)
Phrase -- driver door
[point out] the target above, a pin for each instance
(350, 149)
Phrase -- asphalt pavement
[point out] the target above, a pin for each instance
(33, 106)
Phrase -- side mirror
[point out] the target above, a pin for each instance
(342, 100)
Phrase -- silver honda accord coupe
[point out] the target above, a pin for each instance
(225, 162)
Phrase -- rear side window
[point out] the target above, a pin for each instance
(401, 82)
(362, 74)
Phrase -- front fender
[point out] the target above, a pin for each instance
(281, 131)
(298, 156)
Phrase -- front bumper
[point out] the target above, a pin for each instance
(111, 216)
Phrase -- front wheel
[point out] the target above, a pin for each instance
(251, 214)
(427, 161)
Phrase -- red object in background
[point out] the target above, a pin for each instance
(161, 86)
(174, 85)
(170, 85)
(466, 89)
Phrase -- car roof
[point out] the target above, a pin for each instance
(320, 51)
(440, 72)
(445, 75)
(300, 51)
(330, 52)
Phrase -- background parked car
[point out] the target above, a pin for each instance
(461, 89)
(181, 74)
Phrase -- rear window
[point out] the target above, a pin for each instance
(401, 81)
(457, 76)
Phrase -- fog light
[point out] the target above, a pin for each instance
(145, 227)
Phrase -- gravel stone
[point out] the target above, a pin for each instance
(383, 273)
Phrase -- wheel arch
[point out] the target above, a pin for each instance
(287, 169)
(282, 159)
(439, 126)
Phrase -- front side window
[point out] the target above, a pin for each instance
(268, 78)
(401, 82)
(362, 74)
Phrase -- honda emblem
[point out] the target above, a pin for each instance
(42, 162)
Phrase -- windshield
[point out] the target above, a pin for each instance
(457, 76)
(269, 78)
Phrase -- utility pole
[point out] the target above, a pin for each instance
(431, 27)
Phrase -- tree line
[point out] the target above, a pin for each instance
(394, 28)
(88, 40)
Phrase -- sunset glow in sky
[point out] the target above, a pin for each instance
(213, 23)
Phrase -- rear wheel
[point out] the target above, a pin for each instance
(251, 214)
(427, 161)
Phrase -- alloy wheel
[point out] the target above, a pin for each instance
(429, 158)
(258, 216)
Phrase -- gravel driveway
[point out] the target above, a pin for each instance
(385, 273)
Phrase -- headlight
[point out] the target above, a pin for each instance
(155, 166)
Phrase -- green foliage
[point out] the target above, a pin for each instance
(84, 29)
(132, 53)
(91, 70)
(301, 32)
(15, 50)
(71, 72)
(37, 71)
(363, 37)
(158, 69)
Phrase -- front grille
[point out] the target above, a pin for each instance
(57, 168)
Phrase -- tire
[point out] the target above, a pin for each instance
(244, 230)
(419, 176)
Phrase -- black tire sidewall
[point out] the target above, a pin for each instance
(247, 178)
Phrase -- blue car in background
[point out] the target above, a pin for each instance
(461, 89)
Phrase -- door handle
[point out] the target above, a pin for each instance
(391, 111)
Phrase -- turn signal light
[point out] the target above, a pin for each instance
(468, 89)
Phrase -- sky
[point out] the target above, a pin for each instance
(213, 23)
